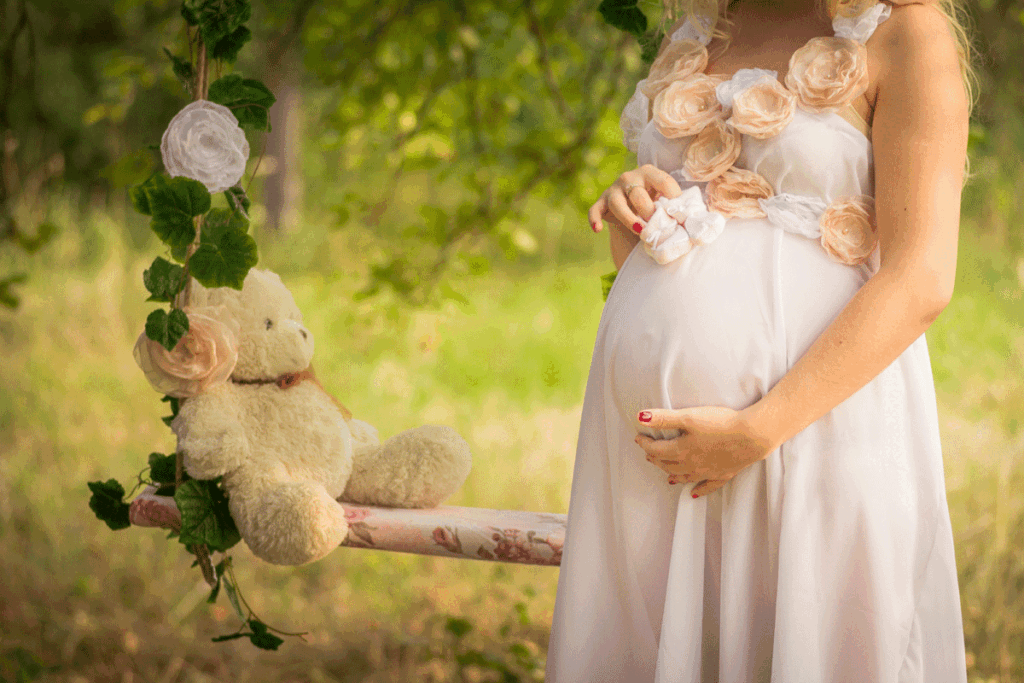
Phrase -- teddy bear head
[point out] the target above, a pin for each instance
(271, 339)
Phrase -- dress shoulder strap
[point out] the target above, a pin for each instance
(861, 26)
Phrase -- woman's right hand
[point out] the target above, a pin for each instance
(629, 201)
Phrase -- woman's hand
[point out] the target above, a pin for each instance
(716, 444)
(630, 199)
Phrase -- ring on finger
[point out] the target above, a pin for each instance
(629, 188)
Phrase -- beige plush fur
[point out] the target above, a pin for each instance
(287, 455)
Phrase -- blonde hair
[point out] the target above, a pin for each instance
(954, 11)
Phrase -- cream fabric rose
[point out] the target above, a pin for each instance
(713, 150)
(736, 192)
(680, 59)
(205, 356)
(762, 110)
(828, 73)
(634, 118)
(687, 106)
(849, 233)
(203, 142)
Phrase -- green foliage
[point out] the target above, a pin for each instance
(238, 200)
(258, 634)
(217, 19)
(107, 502)
(173, 204)
(162, 468)
(205, 517)
(227, 48)
(167, 328)
(182, 70)
(607, 281)
(247, 98)
(624, 15)
(175, 404)
(226, 252)
(8, 299)
(163, 280)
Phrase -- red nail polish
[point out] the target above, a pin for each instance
(695, 495)
(637, 228)
(594, 227)
(645, 416)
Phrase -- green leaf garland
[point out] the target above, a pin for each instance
(226, 252)
(107, 502)
(163, 280)
(205, 517)
(173, 205)
(167, 328)
(247, 98)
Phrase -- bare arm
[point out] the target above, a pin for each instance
(920, 144)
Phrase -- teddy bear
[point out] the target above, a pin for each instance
(287, 450)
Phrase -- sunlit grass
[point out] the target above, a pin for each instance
(507, 369)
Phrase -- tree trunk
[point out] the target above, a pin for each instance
(283, 187)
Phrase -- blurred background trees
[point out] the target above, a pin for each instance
(423, 192)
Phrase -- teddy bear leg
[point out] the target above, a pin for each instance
(292, 523)
(418, 468)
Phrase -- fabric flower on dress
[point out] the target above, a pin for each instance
(687, 106)
(203, 142)
(711, 152)
(761, 106)
(634, 118)
(680, 59)
(849, 232)
(205, 356)
(696, 28)
(795, 213)
(852, 8)
(735, 193)
(861, 22)
(678, 224)
(828, 73)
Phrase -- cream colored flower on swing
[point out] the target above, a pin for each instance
(203, 142)
(205, 356)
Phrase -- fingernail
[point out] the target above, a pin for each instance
(644, 416)
(637, 228)
(672, 481)
(695, 495)
(595, 227)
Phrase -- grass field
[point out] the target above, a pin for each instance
(508, 369)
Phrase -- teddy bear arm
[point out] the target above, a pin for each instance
(210, 434)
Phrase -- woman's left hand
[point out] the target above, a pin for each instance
(716, 444)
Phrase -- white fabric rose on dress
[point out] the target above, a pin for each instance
(204, 356)
(795, 213)
(849, 233)
(634, 118)
(203, 142)
(711, 152)
(695, 28)
(858, 19)
(680, 59)
(828, 73)
(735, 193)
(678, 225)
(687, 106)
(761, 106)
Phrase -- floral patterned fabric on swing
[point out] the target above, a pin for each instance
(832, 559)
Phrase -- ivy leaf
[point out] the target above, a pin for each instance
(606, 283)
(261, 637)
(649, 45)
(163, 280)
(182, 70)
(227, 48)
(226, 252)
(247, 98)
(162, 468)
(624, 15)
(107, 502)
(167, 329)
(138, 193)
(205, 517)
(238, 200)
(173, 205)
(216, 18)
(175, 404)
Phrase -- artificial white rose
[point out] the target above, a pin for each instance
(203, 142)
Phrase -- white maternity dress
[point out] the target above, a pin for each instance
(831, 560)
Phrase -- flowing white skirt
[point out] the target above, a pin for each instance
(831, 560)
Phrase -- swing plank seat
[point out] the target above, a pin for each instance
(471, 533)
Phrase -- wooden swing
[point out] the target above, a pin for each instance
(469, 533)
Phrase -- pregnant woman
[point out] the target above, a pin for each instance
(758, 492)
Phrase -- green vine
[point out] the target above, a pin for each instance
(210, 245)
(627, 16)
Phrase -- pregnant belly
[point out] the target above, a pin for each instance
(711, 327)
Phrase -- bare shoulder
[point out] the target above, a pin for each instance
(916, 39)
